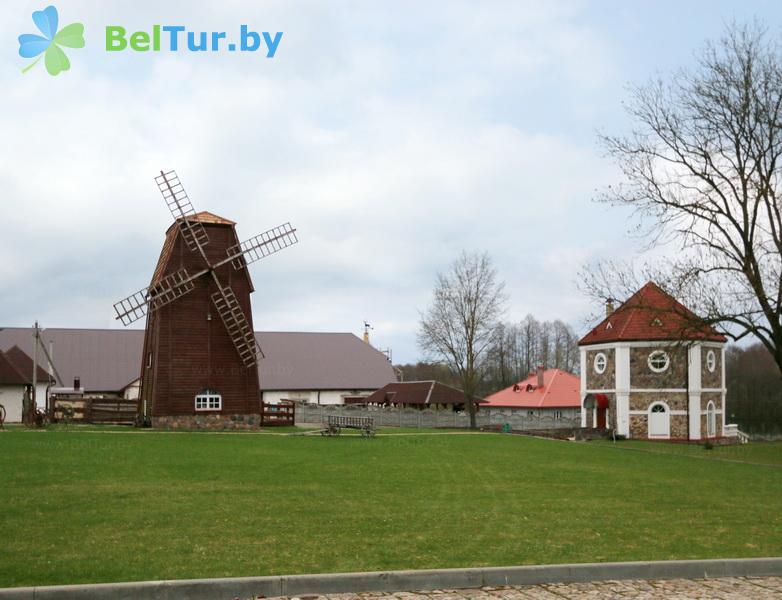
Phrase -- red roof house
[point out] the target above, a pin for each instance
(648, 315)
(550, 388)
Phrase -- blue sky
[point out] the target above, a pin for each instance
(392, 134)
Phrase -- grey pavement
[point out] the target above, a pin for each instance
(721, 588)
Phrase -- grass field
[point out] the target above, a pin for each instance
(86, 506)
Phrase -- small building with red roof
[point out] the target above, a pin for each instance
(552, 393)
(652, 369)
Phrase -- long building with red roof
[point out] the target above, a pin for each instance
(653, 369)
(546, 393)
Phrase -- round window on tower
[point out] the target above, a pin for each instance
(711, 361)
(601, 362)
(659, 361)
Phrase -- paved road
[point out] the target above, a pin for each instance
(725, 588)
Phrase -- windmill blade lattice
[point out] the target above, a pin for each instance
(236, 324)
(171, 287)
(262, 245)
(182, 209)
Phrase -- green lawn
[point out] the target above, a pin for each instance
(81, 506)
(761, 453)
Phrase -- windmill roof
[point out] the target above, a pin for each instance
(560, 390)
(171, 237)
(108, 360)
(651, 314)
(205, 217)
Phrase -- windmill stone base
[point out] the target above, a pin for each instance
(211, 421)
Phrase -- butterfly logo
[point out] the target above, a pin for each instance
(49, 45)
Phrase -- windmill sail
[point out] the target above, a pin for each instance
(171, 287)
(236, 324)
(182, 209)
(261, 246)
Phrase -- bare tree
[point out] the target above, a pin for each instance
(462, 320)
(702, 170)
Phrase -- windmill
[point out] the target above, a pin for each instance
(190, 364)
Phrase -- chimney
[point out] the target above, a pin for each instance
(541, 370)
(609, 307)
(76, 383)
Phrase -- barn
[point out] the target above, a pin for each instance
(307, 367)
(551, 393)
(651, 369)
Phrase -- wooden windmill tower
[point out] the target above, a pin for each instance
(200, 353)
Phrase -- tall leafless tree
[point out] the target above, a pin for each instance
(461, 322)
(702, 171)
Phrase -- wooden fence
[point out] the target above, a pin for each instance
(93, 409)
(278, 415)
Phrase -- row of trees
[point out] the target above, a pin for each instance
(754, 392)
(514, 352)
(518, 348)
(469, 344)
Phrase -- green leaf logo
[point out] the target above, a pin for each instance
(49, 45)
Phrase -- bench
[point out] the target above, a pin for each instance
(336, 423)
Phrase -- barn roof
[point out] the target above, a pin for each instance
(108, 360)
(320, 361)
(651, 314)
(426, 393)
(560, 390)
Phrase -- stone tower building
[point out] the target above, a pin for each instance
(652, 370)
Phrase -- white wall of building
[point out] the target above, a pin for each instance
(132, 391)
(313, 396)
(11, 399)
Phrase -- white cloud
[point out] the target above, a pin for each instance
(391, 136)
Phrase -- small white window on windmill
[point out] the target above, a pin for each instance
(208, 400)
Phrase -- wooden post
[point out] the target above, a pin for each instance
(35, 363)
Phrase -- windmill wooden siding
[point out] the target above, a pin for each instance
(191, 352)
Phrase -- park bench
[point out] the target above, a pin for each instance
(336, 423)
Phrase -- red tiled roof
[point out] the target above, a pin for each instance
(560, 390)
(417, 392)
(651, 315)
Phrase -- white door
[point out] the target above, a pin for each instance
(711, 420)
(659, 421)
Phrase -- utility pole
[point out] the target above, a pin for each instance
(35, 367)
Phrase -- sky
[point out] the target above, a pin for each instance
(392, 135)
